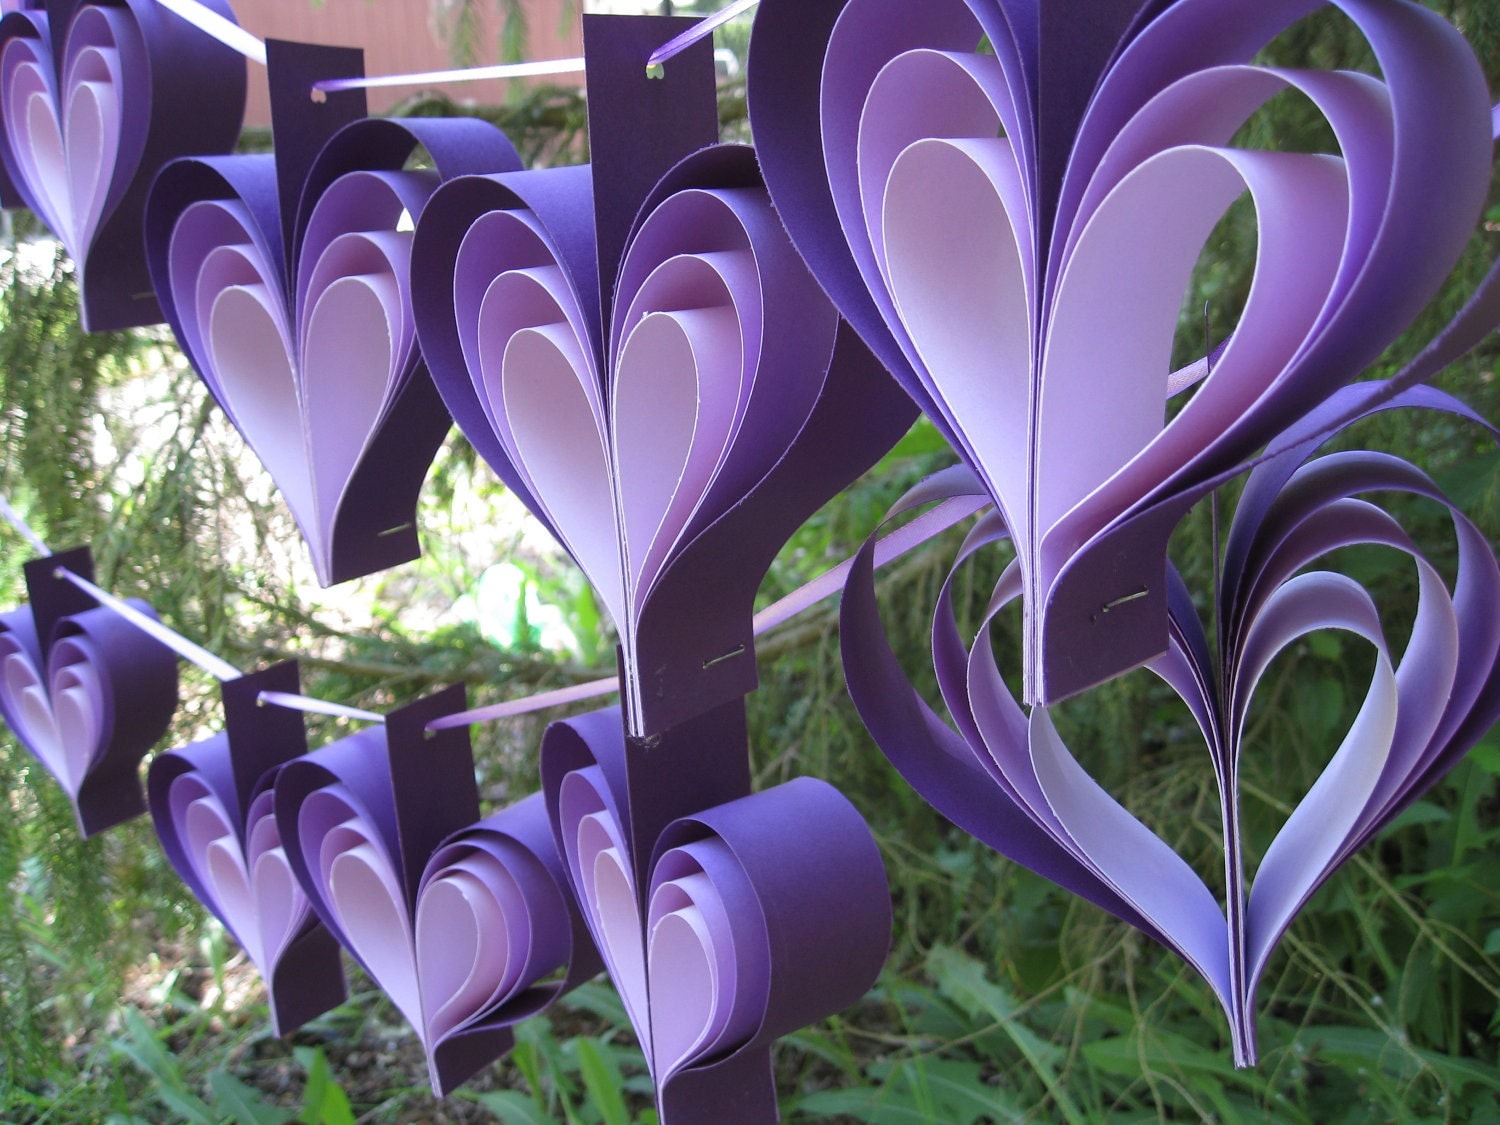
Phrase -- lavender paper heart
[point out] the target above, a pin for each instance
(286, 280)
(465, 923)
(754, 918)
(1013, 231)
(655, 374)
(213, 805)
(87, 693)
(94, 100)
(1008, 778)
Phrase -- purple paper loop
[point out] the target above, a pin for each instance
(750, 919)
(462, 921)
(86, 692)
(94, 100)
(1077, 162)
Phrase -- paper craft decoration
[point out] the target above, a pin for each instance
(84, 690)
(94, 99)
(286, 282)
(1008, 779)
(213, 804)
(641, 356)
(467, 924)
(748, 920)
(1012, 230)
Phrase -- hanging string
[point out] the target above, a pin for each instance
(466, 74)
(676, 45)
(197, 654)
(13, 518)
(226, 31)
(888, 548)
(317, 706)
(192, 653)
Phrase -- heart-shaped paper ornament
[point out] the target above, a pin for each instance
(643, 358)
(287, 282)
(1013, 232)
(94, 99)
(84, 690)
(465, 923)
(213, 804)
(1009, 780)
(755, 917)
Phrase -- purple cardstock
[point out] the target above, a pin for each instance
(1004, 228)
(1007, 778)
(94, 100)
(749, 919)
(86, 692)
(213, 804)
(640, 354)
(286, 281)
(468, 924)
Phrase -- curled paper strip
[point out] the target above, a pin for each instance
(288, 286)
(213, 804)
(467, 924)
(756, 917)
(84, 691)
(1007, 778)
(1004, 227)
(94, 99)
(675, 453)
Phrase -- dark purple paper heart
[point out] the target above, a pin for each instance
(213, 805)
(640, 354)
(757, 917)
(1024, 300)
(465, 923)
(287, 283)
(94, 99)
(1008, 778)
(84, 691)
(673, 461)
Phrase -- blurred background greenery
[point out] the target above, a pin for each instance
(1004, 998)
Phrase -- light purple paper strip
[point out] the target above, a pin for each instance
(1002, 245)
(85, 691)
(751, 918)
(463, 922)
(94, 100)
(1009, 779)
(213, 807)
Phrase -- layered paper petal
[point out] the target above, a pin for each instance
(467, 924)
(84, 691)
(94, 100)
(287, 281)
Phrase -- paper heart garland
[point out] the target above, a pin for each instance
(749, 920)
(1008, 779)
(213, 804)
(655, 374)
(465, 923)
(87, 693)
(1013, 233)
(94, 99)
(286, 281)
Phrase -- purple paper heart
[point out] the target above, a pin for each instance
(671, 420)
(87, 693)
(1009, 780)
(95, 98)
(465, 923)
(1020, 261)
(213, 804)
(755, 917)
(287, 282)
